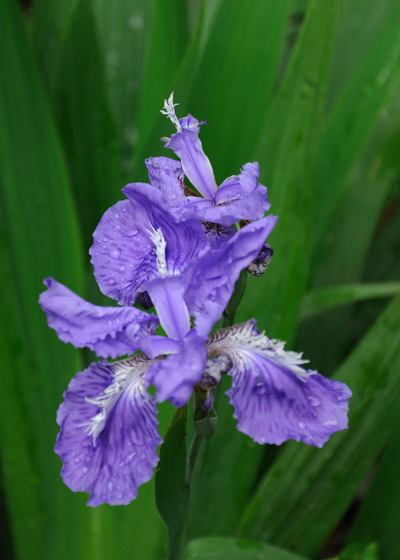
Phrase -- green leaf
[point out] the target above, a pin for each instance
(172, 493)
(379, 516)
(78, 93)
(306, 493)
(39, 237)
(235, 549)
(286, 155)
(352, 119)
(319, 301)
(122, 30)
(346, 253)
(167, 42)
(361, 551)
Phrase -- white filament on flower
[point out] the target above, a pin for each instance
(169, 111)
(158, 239)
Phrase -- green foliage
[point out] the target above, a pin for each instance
(172, 493)
(310, 89)
(236, 549)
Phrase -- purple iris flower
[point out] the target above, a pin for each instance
(149, 252)
(240, 197)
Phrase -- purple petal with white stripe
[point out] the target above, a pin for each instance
(108, 436)
(109, 331)
(123, 253)
(274, 398)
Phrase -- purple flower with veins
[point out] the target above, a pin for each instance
(144, 252)
(240, 197)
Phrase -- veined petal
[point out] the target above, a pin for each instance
(109, 331)
(123, 253)
(108, 436)
(167, 175)
(167, 295)
(175, 377)
(274, 398)
(240, 197)
(210, 279)
(196, 165)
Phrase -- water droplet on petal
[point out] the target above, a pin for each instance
(109, 486)
(314, 401)
(132, 233)
(85, 470)
(115, 254)
(143, 457)
(116, 216)
(122, 268)
(314, 413)
(117, 228)
(260, 388)
(301, 425)
(111, 282)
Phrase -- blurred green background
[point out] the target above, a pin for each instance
(311, 91)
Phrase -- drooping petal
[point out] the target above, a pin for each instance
(175, 377)
(109, 331)
(274, 398)
(108, 436)
(123, 253)
(210, 279)
(167, 296)
(196, 165)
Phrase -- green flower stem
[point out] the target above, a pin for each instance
(192, 456)
(228, 316)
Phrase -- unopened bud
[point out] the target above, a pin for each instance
(260, 263)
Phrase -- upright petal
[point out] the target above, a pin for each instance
(123, 253)
(210, 279)
(196, 165)
(108, 436)
(175, 377)
(167, 175)
(274, 398)
(109, 331)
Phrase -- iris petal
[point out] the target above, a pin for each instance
(274, 398)
(108, 450)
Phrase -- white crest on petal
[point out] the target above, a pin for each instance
(169, 111)
(130, 372)
(245, 337)
(158, 239)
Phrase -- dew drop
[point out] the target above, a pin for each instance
(85, 470)
(122, 268)
(301, 425)
(109, 486)
(116, 216)
(105, 239)
(260, 388)
(115, 254)
(314, 401)
(314, 413)
(117, 228)
(132, 233)
(111, 282)
(143, 457)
